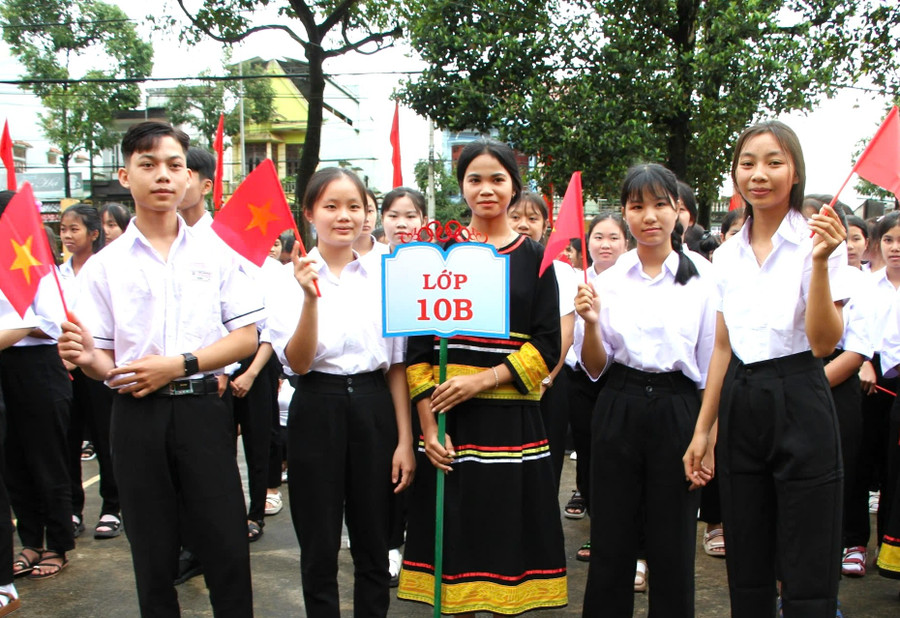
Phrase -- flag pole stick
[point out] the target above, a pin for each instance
(439, 493)
(299, 241)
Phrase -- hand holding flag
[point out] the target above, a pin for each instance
(256, 214)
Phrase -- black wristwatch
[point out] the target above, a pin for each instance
(191, 364)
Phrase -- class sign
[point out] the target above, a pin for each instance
(460, 291)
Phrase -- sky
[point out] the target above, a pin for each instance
(830, 135)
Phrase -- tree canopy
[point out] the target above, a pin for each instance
(323, 29)
(199, 105)
(600, 85)
(64, 45)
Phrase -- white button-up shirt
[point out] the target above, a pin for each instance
(765, 306)
(349, 311)
(136, 303)
(652, 323)
(48, 312)
(10, 318)
(857, 335)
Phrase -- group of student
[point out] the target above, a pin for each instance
(671, 371)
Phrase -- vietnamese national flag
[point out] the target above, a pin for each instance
(6, 155)
(395, 147)
(255, 215)
(880, 161)
(25, 255)
(569, 224)
(219, 146)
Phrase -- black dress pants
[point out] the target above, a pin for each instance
(643, 423)
(174, 461)
(779, 463)
(583, 393)
(38, 396)
(92, 406)
(254, 413)
(342, 434)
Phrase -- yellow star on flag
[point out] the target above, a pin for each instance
(24, 260)
(262, 216)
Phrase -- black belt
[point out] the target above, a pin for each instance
(207, 385)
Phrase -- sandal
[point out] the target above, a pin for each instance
(575, 507)
(254, 531)
(50, 565)
(640, 576)
(853, 564)
(584, 552)
(77, 526)
(108, 527)
(23, 565)
(714, 543)
(10, 605)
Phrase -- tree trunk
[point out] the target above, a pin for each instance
(66, 156)
(309, 156)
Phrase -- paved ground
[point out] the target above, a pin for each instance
(99, 579)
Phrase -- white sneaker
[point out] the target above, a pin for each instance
(874, 500)
(395, 560)
(274, 503)
(574, 456)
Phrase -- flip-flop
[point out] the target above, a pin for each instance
(584, 552)
(714, 543)
(12, 603)
(24, 566)
(46, 563)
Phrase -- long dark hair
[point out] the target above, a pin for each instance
(325, 177)
(500, 151)
(118, 212)
(660, 181)
(90, 219)
(790, 144)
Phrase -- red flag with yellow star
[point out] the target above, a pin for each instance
(25, 255)
(255, 215)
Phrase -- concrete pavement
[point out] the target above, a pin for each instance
(99, 580)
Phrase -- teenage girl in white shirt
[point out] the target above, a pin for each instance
(649, 323)
(778, 451)
(349, 437)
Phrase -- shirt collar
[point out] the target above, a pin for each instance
(630, 261)
(134, 236)
(356, 264)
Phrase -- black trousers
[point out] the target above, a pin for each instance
(583, 393)
(555, 408)
(342, 434)
(92, 406)
(779, 466)
(643, 423)
(847, 403)
(6, 527)
(174, 460)
(254, 413)
(38, 396)
(872, 472)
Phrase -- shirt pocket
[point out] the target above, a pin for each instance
(197, 295)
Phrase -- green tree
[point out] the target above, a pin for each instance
(448, 203)
(322, 28)
(52, 39)
(600, 85)
(199, 105)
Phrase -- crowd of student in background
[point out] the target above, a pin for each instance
(747, 374)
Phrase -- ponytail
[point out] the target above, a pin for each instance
(686, 267)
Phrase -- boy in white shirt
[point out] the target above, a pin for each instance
(153, 307)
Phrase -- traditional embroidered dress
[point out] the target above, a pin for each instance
(503, 542)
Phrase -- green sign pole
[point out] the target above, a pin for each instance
(439, 494)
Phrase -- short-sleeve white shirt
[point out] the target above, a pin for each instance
(765, 306)
(349, 316)
(652, 323)
(136, 303)
(49, 314)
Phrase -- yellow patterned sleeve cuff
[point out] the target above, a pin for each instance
(528, 368)
(420, 378)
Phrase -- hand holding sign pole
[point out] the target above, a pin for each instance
(453, 292)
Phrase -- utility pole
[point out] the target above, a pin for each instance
(243, 141)
(430, 170)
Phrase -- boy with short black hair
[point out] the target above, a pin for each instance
(153, 307)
